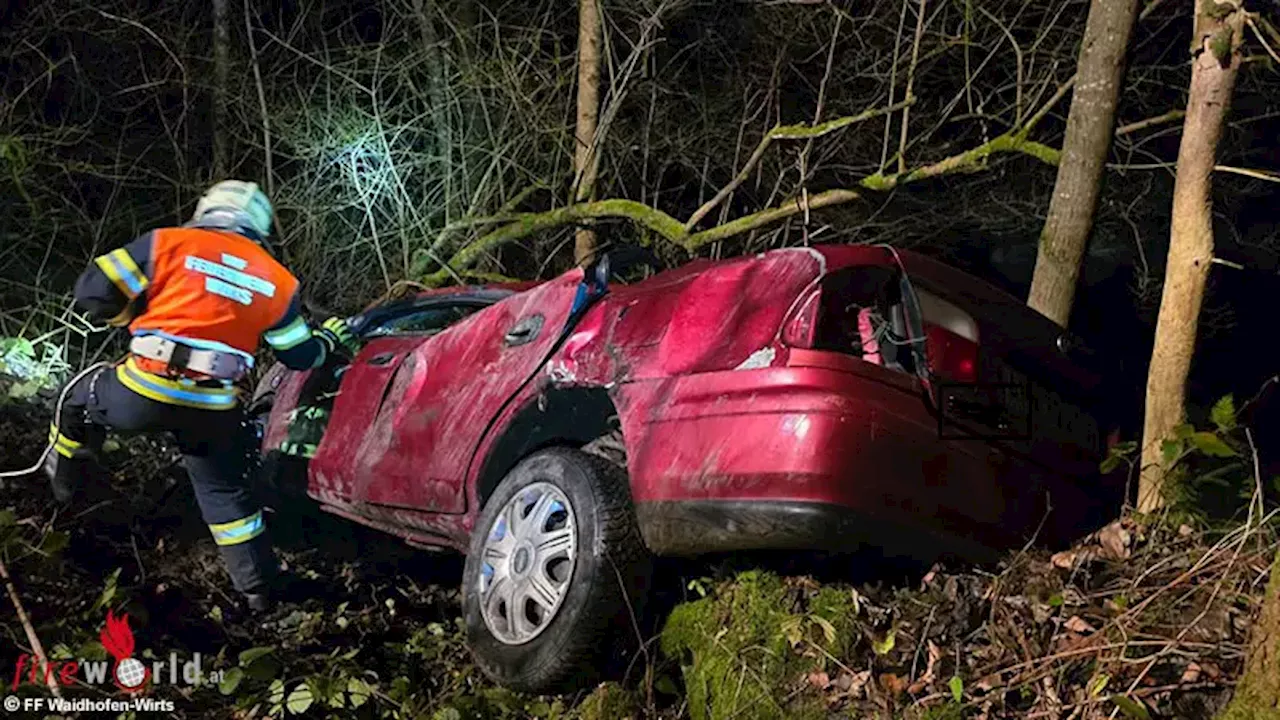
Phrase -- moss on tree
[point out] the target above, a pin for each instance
(1257, 697)
(742, 648)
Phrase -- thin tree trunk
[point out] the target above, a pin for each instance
(1100, 72)
(584, 160)
(221, 71)
(1218, 33)
(437, 77)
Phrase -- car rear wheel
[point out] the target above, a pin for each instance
(555, 569)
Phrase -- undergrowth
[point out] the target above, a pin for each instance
(1141, 619)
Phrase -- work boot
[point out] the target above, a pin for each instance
(257, 603)
(67, 475)
(285, 591)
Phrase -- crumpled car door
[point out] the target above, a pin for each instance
(446, 394)
(364, 386)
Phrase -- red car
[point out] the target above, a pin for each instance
(562, 433)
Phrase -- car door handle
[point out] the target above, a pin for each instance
(523, 331)
(382, 359)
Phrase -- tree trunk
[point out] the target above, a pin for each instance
(221, 71)
(455, 199)
(584, 160)
(1215, 47)
(1090, 123)
(1257, 697)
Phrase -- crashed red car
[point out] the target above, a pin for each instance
(561, 434)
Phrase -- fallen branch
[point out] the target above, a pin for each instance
(787, 132)
(37, 648)
(638, 213)
(969, 160)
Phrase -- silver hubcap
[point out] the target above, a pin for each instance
(527, 563)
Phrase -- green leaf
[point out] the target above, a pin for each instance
(957, 688)
(1184, 431)
(1110, 463)
(1131, 708)
(447, 714)
(1223, 413)
(793, 630)
(55, 542)
(359, 690)
(108, 592)
(275, 692)
(1098, 684)
(249, 656)
(884, 646)
(1056, 600)
(7, 518)
(25, 389)
(828, 630)
(1170, 450)
(300, 699)
(1212, 445)
(230, 681)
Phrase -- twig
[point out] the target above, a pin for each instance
(36, 647)
(262, 102)
(893, 85)
(1249, 172)
(1151, 6)
(1017, 56)
(1253, 25)
(1049, 104)
(911, 80)
(1134, 127)
(787, 132)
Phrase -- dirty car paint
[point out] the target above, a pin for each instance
(713, 407)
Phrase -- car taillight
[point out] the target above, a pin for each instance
(951, 356)
(951, 339)
(801, 330)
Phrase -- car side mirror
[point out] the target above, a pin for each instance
(595, 283)
(599, 271)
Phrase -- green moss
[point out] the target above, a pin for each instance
(1257, 697)
(950, 711)
(735, 647)
(609, 701)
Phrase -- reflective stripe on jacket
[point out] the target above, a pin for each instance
(213, 286)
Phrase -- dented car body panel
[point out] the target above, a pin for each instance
(736, 437)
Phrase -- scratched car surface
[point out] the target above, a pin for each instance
(807, 398)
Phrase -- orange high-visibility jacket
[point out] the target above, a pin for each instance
(207, 288)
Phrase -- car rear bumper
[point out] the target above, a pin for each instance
(793, 457)
(695, 527)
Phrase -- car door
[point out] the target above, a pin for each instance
(390, 336)
(448, 391)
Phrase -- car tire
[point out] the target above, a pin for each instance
(596, 617)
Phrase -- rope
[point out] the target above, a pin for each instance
(57, 421)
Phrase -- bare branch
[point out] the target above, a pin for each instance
(787, 132)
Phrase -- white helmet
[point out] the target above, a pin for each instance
(237, 206)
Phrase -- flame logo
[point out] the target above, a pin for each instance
(130, 673)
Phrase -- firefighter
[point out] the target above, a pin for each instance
(196, 300)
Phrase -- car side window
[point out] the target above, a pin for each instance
(422, 321)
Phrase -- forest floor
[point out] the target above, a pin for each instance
(1133, 622)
